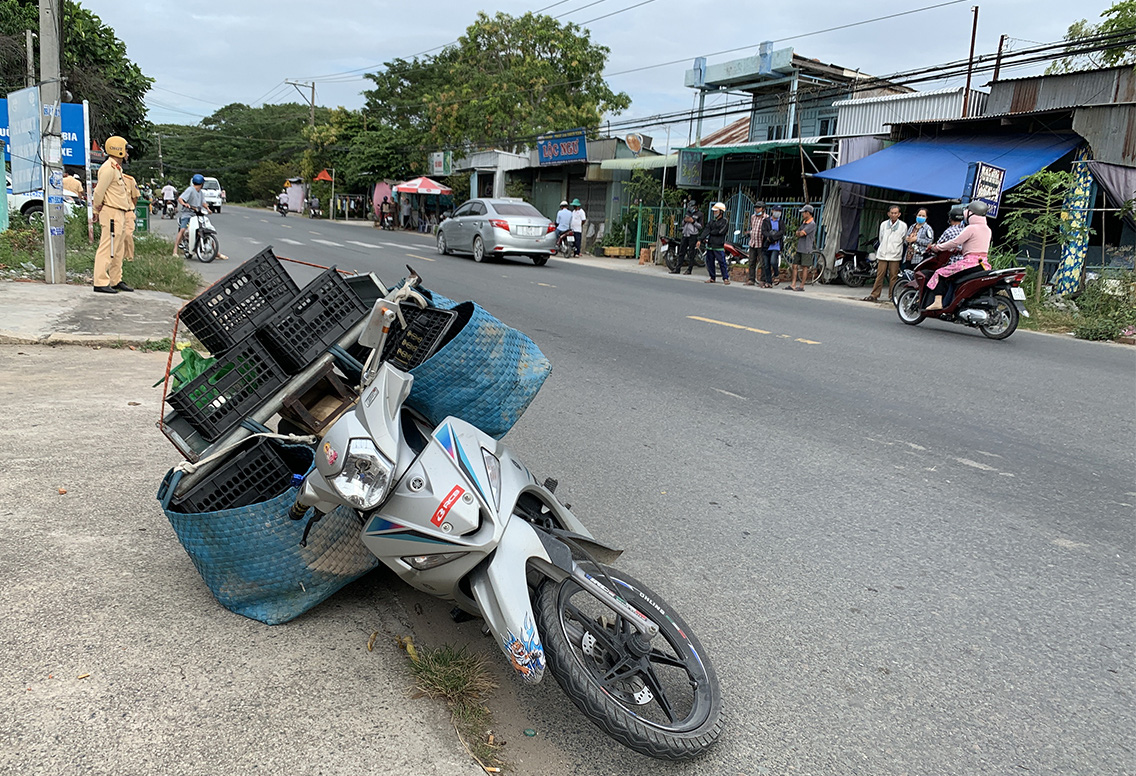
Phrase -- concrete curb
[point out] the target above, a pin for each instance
(88, 340)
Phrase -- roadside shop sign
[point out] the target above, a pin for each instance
(23, 140)
(562, 147)
(689, 168)
(984, 183)
(442, 163)
(74, 147)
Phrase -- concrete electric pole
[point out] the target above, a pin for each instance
(51, 143)
(29, 79)
(311, 101)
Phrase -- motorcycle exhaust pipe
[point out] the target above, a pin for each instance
(978, 317)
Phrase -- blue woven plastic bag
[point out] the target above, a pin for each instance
(251, 559)
(487, 375)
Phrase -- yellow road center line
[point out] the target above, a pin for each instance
(731, 325)
(416, 256)
(808, 342)
(546, 285)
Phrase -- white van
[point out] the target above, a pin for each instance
(212, 192)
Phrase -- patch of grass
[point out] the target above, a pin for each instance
(462, 680)
(153, 268)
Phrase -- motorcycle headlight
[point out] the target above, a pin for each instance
(366, 475)
(493, 468)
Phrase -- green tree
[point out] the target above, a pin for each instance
(505, 81)
(1036, 214)
(267, 178)
(94, 64)
(230, 143)
(1120, 18)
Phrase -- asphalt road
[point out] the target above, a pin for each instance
(908, 550)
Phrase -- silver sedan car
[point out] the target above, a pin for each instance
(486, 227)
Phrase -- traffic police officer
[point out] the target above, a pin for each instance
(111, 202)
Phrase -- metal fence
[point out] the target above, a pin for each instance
(649, 223)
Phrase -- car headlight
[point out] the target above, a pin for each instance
(366, 475)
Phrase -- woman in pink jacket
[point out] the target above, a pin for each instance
(973, 245)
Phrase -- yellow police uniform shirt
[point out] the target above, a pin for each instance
(111, 189)
(132, 189)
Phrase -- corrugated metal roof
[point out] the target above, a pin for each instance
(1110, 130)
(912, 95)
(1063, 90)
(1056, 75)
(731, 134)
(873, 115)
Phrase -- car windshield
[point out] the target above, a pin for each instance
(516, 209)
(211, 185)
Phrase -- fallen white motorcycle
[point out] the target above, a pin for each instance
(454, 513)
(200, 240)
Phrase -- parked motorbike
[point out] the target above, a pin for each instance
(566, 244)
(669, 250)
(282, 209)
(855, 268)
(200, 240)
(990, 300)
(455, 514)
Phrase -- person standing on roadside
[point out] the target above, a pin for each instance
(111, 203)
(579, 218)
(757, 221)
(131, 218)
(803, 256)
(715, 237)
(191, 200)
(919, 237)
(691, 228)
(889, 253)
(771, 235)
(405, 211)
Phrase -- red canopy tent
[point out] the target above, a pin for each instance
(422, 186)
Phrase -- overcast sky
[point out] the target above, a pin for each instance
(206, 55)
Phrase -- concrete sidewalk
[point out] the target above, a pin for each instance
(36, 312)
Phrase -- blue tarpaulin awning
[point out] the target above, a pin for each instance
(937, 167)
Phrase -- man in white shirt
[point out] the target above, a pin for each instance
(169, 193)
(889, 254)
(579, 218)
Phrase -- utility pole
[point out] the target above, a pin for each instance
(161, 169)
(311, 101)
(970, 65)
(29, 79)
(51, 143)
(998, 60)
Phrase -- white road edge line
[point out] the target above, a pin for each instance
(727, 393)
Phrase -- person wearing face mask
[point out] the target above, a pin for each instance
(919, 236)
(973, 242)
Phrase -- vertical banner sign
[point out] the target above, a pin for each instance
(984, 183)
(689, 168)
(562, 147)
(23, 139)
(442, 163)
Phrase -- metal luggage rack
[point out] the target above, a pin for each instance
(191, 444)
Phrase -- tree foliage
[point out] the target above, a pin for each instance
(1120, 18)
(95, 67)
(505, 81)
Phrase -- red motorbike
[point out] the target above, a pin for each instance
(989, 300)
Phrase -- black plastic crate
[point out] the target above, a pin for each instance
(315, 320)
(425, 332)
(256, 472)
(232, 308)
(235, 386)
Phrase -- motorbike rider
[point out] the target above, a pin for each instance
(386, 213)
(563, 221)
(715, 236)
(191, 200)
(169, 196)
(282, 201)
(954, 229)
(973, 242)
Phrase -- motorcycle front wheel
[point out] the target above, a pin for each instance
(908, 307)
(659, 698)
(207, 248)
(849, 276)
